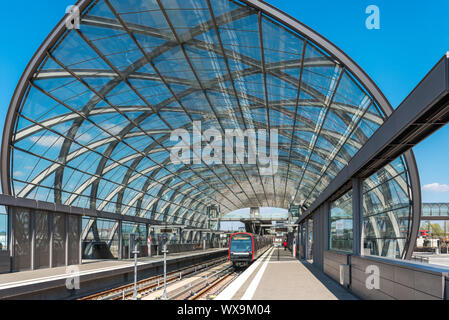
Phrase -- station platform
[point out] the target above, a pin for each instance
(277, 275)
(94, 275)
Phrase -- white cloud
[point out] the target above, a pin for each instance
(84, 138)
(48, 141)
(113, 128)
(18, 173)
(436, 187)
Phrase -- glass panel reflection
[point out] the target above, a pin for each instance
(387, 211)
(340, 224)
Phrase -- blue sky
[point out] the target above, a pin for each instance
(413, 36)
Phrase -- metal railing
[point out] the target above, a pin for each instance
(420, 259)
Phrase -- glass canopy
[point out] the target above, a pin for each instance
(93, 128)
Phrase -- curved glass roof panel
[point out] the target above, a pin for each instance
(94, 127)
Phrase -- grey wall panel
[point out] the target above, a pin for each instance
(332, 262)
(386, 270)
(398, 280)
(359, 289)
(5, 262)
(332, 271)
(42, 241)
(74, 239)
(22, 239)
(320, 223)
(316, 239)
(59, 240)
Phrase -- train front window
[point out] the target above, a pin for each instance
(241, 243)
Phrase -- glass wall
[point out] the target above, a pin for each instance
(310, 240)
(435, 209)
(3, 229)
(136, 228)
(340, 224)
(387, 211)
(100, 238)
(140, 232)
(303, 238)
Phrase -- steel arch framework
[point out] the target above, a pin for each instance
(323, 104)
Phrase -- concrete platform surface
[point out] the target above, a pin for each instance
(277, 275)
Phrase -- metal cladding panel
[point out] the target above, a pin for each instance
(74, 239)
(42, 241)
(59, 240)
(22, 239)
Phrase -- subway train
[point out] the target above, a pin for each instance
(244, 247)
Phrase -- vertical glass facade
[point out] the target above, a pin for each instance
(101, 239)
(310, 240)
(341, 224)
(3, 230)
(139, 230)
(435, 209)
(387, 211)
(136, 228)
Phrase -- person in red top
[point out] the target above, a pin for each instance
(285, 245)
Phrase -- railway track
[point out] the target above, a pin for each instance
(151, 284)
(211, 291)
(203, 281)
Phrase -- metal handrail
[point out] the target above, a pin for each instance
(421, 259)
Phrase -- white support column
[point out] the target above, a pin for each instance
(357, 216)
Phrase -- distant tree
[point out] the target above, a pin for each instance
(437, 231)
